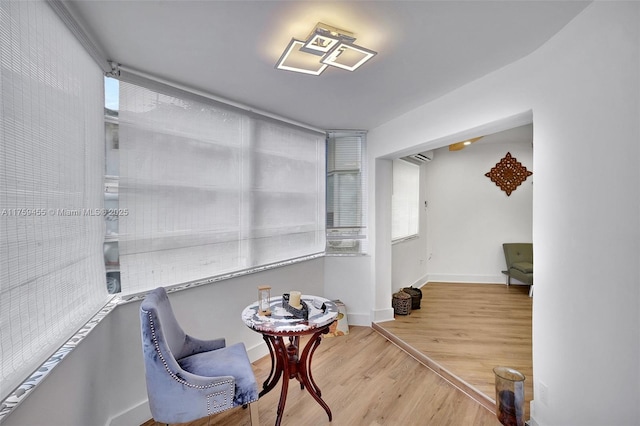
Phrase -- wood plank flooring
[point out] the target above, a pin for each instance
(366, 380)
(463, 331)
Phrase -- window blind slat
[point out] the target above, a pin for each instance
(52, 276)
(346, 195)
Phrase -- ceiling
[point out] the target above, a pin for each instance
(229, 49)
(517, 135)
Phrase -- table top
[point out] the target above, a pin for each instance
(281, 322)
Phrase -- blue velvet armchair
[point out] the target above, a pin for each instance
(187, 378)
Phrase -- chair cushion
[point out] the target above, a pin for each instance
(229, 361)
(525, 267)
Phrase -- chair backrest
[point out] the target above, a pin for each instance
(517, 252)
(162, 345)
(157, 317)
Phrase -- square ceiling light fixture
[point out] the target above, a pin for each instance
(334, 46)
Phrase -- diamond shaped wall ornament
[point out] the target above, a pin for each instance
(508, 174)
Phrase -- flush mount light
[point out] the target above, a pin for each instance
(294, 59)
(335, 46)
(348, 56)
(319, 44)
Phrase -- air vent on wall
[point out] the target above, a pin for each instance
(420, 158)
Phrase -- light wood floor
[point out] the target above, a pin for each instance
(366, 380)
(463, 331)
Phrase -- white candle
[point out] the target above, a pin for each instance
(294, 299)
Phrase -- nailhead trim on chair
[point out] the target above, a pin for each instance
(216, 408)
(171, 373)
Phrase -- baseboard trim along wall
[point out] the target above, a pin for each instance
(480, 279)
(359, 319)
(380, 315)
(258, 351)
(136, 415)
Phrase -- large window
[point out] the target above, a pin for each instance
(405, 202)
(346, 194)
(52, 276)
(208, 189)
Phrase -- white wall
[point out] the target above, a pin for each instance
(409, 258)
(341, 272)
(582, 88)
(102, 381)
(409, 263)
(469, 217)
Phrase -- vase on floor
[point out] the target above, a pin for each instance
(509, 396)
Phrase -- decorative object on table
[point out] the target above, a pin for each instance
(508, 174)
(294, 299)
(509, 396)
(264, 294)
(401, 303)
(302, 312)
(416, 296)
(341, 326)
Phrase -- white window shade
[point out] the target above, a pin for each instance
(212, 190)
(405, 202)
(52, 276)
(287, 189)
(346, 195)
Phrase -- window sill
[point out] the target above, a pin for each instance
(404, 239)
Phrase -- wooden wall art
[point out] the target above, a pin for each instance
(508, 174)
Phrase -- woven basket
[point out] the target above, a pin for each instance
(416, 296)
(401, 303)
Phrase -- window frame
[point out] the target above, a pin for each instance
(403, 195)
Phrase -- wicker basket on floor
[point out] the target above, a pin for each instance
(401, 303)
(416, 296)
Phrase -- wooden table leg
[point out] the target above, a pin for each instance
(304, 370)
(277, 366)
(314, 343)
(288, 363)
(283, 358)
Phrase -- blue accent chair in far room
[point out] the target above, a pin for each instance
(188, 378)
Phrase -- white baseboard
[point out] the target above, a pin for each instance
(480, 279)
(258, 351)
(135, 415)
(421, 281)
(532, 421)
(380, 315)
(359, 319)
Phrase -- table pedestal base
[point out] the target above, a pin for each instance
(287, 362)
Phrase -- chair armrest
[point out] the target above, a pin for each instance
(193, 345)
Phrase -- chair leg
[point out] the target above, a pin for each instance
(253, 412)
